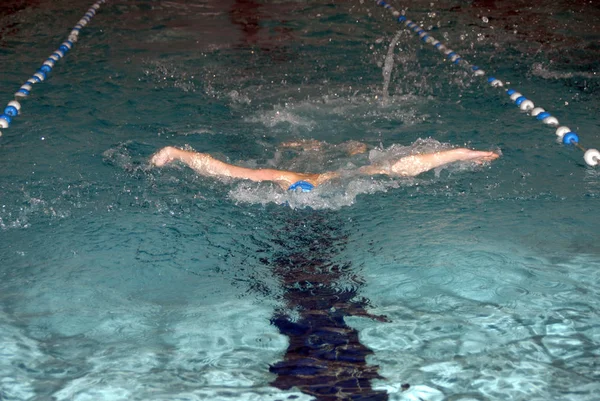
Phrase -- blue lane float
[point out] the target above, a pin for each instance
(13, 108)
(563, 133)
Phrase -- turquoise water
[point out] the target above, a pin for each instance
(124, 282)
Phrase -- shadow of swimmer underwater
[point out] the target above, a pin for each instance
(324, 358)
(319, 290)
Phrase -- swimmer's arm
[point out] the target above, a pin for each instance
(206, 165)
(414, 165)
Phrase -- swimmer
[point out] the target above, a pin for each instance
(408, 166)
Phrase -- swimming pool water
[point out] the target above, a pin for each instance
(124, 282)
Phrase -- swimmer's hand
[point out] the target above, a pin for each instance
(164, 156)
(480, 157)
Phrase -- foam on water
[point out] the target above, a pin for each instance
(327, 113)
(272, 118)
(326, 196)
(540, 70)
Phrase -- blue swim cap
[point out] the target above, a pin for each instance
(303, 185)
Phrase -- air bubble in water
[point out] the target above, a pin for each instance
(485, 19)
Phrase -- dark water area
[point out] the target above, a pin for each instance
(325, 357)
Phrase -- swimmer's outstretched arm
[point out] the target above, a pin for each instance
(414, 165)
(206, 165)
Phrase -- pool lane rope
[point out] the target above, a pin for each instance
(563, 133)
(13, 109)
